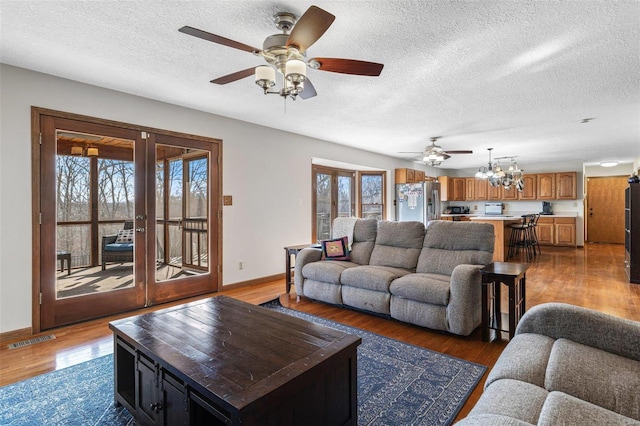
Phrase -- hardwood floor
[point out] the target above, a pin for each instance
(592, 277)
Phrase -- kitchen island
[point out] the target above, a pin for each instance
(502, 233)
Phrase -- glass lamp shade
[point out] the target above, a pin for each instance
(92, 152)
(295, 71)
(76, 150)
(265, 76)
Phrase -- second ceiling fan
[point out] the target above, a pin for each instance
(434, 154)
(286, 53)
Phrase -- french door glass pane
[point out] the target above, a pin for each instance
(323, 206)
(182, 195)
(94, 199)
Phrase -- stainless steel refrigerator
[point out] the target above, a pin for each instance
(418, 201)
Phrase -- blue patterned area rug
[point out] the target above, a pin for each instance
(398, 384)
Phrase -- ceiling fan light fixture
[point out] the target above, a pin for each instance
(265, 77)
(295, 71)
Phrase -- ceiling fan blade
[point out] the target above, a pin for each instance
(217, 39)
(230, 78)
(309, 28)
(459, 152)
(409, 152)
(348, 66)
(309, 91)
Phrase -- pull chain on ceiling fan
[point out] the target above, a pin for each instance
(286, 53)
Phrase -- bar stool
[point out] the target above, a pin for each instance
(520, 239)
(533, 235)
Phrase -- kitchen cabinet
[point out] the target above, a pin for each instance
(546, 186)
(558, 231)
(566, 186)
(529, 191)
(494, 193)
(409, 176)
(470, 189)
(510, 194)
(544, 231)
(481, 187)
(452, 188)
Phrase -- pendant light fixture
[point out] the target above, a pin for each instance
(496, 175)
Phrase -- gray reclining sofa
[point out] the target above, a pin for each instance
(429, 277)
(566, 365)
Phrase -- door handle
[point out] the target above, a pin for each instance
(141, 229)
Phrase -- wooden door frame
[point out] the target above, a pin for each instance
(37, 114)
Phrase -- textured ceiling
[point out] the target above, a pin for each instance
(515, 75)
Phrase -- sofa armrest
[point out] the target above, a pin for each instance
(585, 326)
(305, 256)
(464, 311)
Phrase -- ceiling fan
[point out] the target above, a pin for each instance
(434, 154)
(286, 53)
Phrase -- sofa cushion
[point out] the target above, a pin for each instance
(364, 237)
(398, 244)
(562, 409)
(449, 244)
(376, 278)
(491, 419)
(602, 378)
(369, 300)
(119, 247)
(512, 398)
(525, 358)
(422, 314)
(428, 288)
(328, 272)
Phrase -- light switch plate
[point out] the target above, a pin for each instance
(227, 200)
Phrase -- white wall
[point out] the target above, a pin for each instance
(268, 173)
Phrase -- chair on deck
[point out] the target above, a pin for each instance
(118, 248)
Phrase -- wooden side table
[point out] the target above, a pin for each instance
(514, 276)
(293, 251)
(63, 255)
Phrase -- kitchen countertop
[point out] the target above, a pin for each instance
(508, 216)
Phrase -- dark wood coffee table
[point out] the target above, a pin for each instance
(223, 361)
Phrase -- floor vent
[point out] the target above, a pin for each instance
(32, 341)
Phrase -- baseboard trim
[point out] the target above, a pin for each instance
(15, 336)
(254, 281)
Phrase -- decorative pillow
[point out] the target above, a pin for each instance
(336, 249)
(125, 236)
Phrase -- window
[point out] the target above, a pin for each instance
(372, 195)
(334, 195)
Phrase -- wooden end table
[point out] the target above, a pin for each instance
(513, 275)
(62, 256)
(293, 251)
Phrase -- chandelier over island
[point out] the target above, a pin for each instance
(497, 176)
